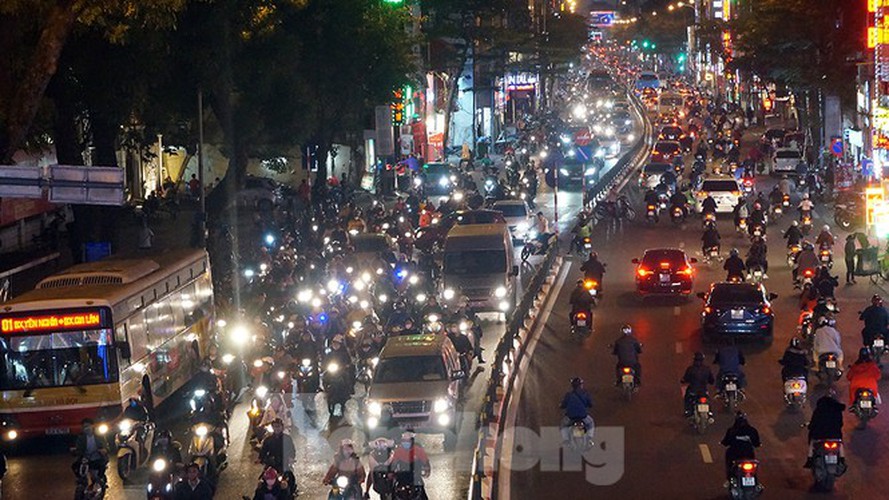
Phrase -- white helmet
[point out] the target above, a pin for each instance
(826, 228)
(806, 196)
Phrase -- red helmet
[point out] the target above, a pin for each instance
(270, 474)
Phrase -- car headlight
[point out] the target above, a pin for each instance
(504, 305)
(563, 171)
(440, 405)
(500, 292)
(12, 434)
(590, 171)
(125, 426)
(374, 408)
(449, 294)
(443, 182)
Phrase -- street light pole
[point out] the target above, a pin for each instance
(202, 216)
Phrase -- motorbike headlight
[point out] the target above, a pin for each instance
(458, 196)
(307, 362)
(449, 294)
(201, 430)
(563, 171)
(342, 482)
(125, 426)
(383, 298)
(333, 367)
(281, 374)
(500, 292)
(359, 285)
(440, 405)
(11, 435)
(159, 465)
(374, 408)
(590, 171)
(413, 280)
(421, 297)
(221, 323)
(433, 318)
(257, 363)
(418, 181)
(464, 326)
(262, 391)
(504, 305)
(248, 273)
(240, 335)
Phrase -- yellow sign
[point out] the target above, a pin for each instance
(874, 203)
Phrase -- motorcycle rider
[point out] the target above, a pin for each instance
(805, 207)
(651, 198)
(734, 266)
(795, 361)
(580, 300)
(758, 255)
(339, 354)
(193, 487)
(697, 377)
(277, 449)
(93, 447)
(543, 234)
(825, 283)
(827, 339)
(678, 199)
(776, 198)
(346, 463)
(138, 413)
(271, 487)
(379, 460)
(757, 218)
(864, 374)
(708, 205)
(411, 456)
(730, 359)
(627, 348)
(825, 238)
(793, 235)
(807, 259)
(576, 404)
(165, 447)
(710, 239)
(876, 320)
(827, 423)
(276, 410)
(593, 269)
(740, 441)
(740, 212)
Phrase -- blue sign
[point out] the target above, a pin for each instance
(836, 145)
(603, 18)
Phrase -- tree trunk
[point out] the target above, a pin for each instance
(43, 65)
(453, 87)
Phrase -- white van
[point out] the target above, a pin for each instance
(479, 262)
(785, 160)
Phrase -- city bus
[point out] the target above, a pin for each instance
(88, 338)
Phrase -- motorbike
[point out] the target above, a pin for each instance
(133, 441)
(701, 417)
(533, 246)
(744, 485)
(756, 274)
(651, 213)
(807, 326)
(748, 186)
(161, 480)
(337, 386)
(804, 277)
(366, 369)
(256, 412)
(583, 245)
(344, 488)
(207, 449)
(711, 254)
(826, 466)
(620, 209)
(592, 287)
(307, 383)
(828, 371)
(91, 484)
(677, 214)
(581, 325)
(729, 391)
(742, 224)
(580, 442)
(806, 223)
(757, 231)
(795, 389)
(864, 407)
(792, 252)
(878, 348)
(628, 382)
(826, 257)
(846, 216)
(708, 218)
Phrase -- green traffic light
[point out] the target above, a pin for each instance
(645, 44)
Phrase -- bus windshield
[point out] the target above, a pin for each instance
(57, 360)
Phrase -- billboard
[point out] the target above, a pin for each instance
(602, 18)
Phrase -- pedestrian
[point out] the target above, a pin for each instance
(194, 187)
(849, 252)
(146, 237)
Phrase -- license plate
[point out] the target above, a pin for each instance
(778, 210)
(731, 387)
(825, 258)
(581, 322)
(866, 404)
(737, 314)
(665, 278)
(713, 253)
(593, 292)
(651, 213)
(627, 379)
(703, 408)
(830, 459)
(748, 481)
(879, 342)
(830, 364)
(578, 432)
(57, 431)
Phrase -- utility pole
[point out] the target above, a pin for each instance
(202, 223)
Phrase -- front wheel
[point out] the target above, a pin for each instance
(526, 252)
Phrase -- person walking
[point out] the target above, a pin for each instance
(849, 252)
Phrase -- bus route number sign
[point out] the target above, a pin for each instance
(50, 322)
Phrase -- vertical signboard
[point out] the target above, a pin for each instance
(385, 133)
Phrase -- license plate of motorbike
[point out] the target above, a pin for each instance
(581, 322)
(830, 459)
(830, 364)
(737, 314)
(748, 481)
(593, 292)
(58, 431)
(713, 253)
(879, 343)
(825, 258)
(665, 278)
(731, 387)
(578, 432)
(627, 379)
(866, 404)
(703, 408)
(778, 210)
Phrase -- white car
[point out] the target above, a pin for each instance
(259, 192)
(785, 160)
(518, 216)
(725, 190)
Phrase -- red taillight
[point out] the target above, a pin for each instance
(642, 272)
(589, 284)
(766, 310)
(808, 273)
(687, 271)
(831, 445)
(627, 370)
(748, 467)
(580, 315)
(708, 309)
(702, 400)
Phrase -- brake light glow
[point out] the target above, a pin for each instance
(702, 400)
(642, 272)
(748, 466)
(736, 193)
(589, 284)
(686, 271)
(831, 445)
(708, 309)
(580, 315)
(766, 310)
(665, 265)
(627, 370)
(865, 394)
(808, 273)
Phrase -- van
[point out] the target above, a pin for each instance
(669, 102)
(479, 263)
(785, 160)
(418, 384)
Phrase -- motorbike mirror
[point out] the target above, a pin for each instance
(702, 295)
(515, 270)
(458, 375)
(773, 296)
(635, 261)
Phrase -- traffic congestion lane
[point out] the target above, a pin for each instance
(662, 454)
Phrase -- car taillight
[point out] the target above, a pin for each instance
(766, 310)
(748, 467)
(708, 309)
(642, 272)
(686, 271)
(702, 399)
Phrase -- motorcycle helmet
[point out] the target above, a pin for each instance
(826, 228)
(794, 223)
(270, 474)
(805, 196)
(823, 320)
(699, 356)
(876, 300)
(734, 252)
(626, 329)
(594, 255)
(579, 282)
(740, 418)
(795, 342)
(576, 382)
(807, 245)
(164, 434)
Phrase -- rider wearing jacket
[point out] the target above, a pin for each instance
(734, 266)
(740, 441)
(807, 259)
(698, 377)
(795, 362)
(580, 300)
(793, 235)
(876, 320)
(729, 359)
(758, 255)
(825, 283)
(825, 239)
(627, 348)
(346, 463)
(593, 269)
(864, 374)
(827, 339)
(708, 205)
(576, 404)
(826, 423)
(710, 238)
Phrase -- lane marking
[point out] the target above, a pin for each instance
(705, 453)
(504, 480)
(676, 310)
(678, 347)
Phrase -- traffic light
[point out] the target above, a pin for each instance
(645, 44)
(393, 2)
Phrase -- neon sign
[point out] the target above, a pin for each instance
(50, 322)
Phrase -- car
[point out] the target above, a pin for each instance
(518, 216)
(785, 160)
(439, 178)
(579, 168)
(259, 192)
(426, 238)
(670, 133)
(651, 174)
(622, 121)
(724, 189)
(665, 151)
(737, 309)
(664, 271)
(773, 134)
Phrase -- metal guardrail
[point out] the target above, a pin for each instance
(511, 348)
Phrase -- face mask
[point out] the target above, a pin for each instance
(406, 446)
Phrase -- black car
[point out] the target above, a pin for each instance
(664, 271)
(737, 309)
(670, 133)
